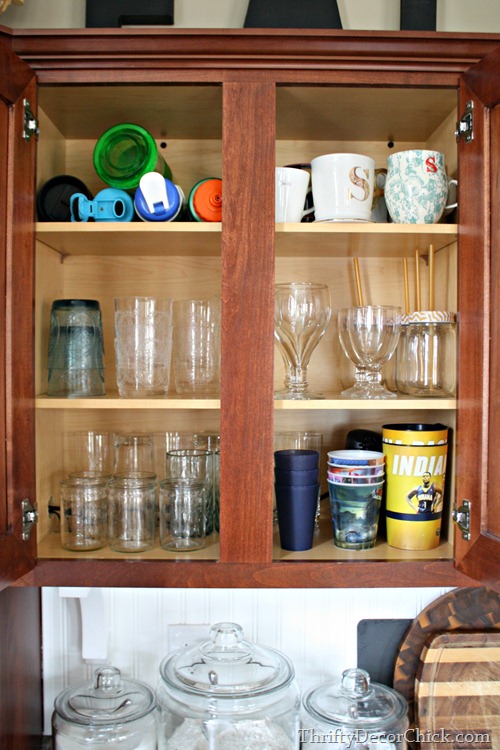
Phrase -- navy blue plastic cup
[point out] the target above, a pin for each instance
(296, 508)
(295, 459)
(308, 476)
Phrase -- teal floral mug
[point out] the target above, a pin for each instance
(416, 188)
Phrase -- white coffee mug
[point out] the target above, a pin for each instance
(291, 190)
(342, 186)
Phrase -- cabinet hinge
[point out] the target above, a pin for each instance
(465, 126)
(30, 517)
(461, 516)
(30, 123)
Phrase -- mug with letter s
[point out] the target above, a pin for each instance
(292, 185)
(342, 187)
(416, 188)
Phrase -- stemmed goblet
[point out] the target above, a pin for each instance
(302, 314)
(369, 336)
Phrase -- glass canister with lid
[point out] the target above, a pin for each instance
(106, 713)
(355, 714)
(227, 693)
(426, 357)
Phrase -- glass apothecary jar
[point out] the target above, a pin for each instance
(355, 713)
(107, 713)
(426, 356)
(228, 693)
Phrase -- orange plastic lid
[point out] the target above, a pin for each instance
(206, 200)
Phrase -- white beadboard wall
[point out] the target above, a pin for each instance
(316, 628)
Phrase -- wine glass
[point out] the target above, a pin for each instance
(302, 313)
(369, 336)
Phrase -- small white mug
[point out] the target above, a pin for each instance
(342, 186)
(292, 185)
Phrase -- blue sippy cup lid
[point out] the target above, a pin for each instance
(157, 198)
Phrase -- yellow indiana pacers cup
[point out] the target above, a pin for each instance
(415, 456)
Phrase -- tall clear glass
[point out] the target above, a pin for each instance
(302, 314)
(143, 346)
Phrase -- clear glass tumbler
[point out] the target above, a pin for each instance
(143, 346)
(183, 513)
(84, 501)
(195, 463)
(76, 349)
(132, 511)
(133, 452)
(196, 346)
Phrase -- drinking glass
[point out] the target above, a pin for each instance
(133, 452)
(143, 346)
(196, 346)
(132, 511)
(183, 513)
(302, 314)
(194, 463)
(369, 336)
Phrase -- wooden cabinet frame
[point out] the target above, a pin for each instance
(250, 65)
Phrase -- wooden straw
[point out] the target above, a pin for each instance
(431, 277)
(359, 288)
(407, 286)
(417, 279)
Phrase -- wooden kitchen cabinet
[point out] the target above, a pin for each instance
(235, 104)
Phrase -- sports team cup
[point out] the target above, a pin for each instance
(416, 457)
(342, 186)
(416, 188)
(355, 513)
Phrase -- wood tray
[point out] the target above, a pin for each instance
(472, 609)
(457, 691)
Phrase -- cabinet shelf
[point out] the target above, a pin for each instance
(132, 239)
(204, 239)
(361, 240)
(336, 403)
(50, 548)
(112, 401)
(324, 549)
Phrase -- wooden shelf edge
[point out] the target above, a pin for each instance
(211, 574)
(43, 228)
(395, 404)
(117, 239)
(389, 229)
(114, 402)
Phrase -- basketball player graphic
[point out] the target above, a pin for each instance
(426, 497)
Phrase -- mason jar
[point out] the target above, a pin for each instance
(430, 355)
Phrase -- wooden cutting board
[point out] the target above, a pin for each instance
(466, 609)
(457, 691)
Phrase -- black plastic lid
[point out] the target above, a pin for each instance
(410, 426)
(53, 198)
(63, 304)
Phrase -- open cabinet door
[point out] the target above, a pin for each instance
(17, 190)
(478, 430)
(20, 652)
